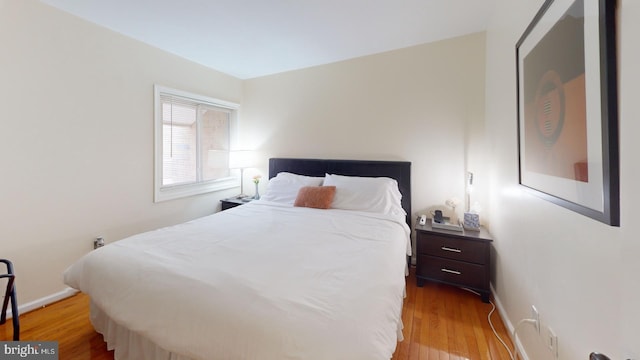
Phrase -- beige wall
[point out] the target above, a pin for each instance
(581, 274)
(77, 155)
(423, 104)
(76, 142)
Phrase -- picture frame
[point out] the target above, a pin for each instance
(567, 107)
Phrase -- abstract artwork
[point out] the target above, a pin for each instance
(567, 107)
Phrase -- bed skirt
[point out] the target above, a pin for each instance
(127, 344)
(131, 346)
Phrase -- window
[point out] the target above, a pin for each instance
(192, 141)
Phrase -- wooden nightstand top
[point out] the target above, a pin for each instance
(238, 201)
(482, 235)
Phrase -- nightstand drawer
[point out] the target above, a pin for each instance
(452, 248)
(450, 271)
(233, 202)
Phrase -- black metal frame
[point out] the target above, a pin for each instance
(10, 295)
(609, 118)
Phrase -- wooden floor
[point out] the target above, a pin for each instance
(65, 321)
(440, 322)
(445, 322)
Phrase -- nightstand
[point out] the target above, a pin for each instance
(233, 202)
(460, 258)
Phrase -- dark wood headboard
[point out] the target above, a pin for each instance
(398, 170)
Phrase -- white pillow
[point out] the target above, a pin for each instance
(372, 194)
(284, 187)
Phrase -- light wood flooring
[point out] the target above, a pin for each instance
(440, 322)
(443, 322)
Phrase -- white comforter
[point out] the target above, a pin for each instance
(259, 281)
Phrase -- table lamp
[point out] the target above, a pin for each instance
(241, 159)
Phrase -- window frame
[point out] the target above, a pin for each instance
(176, 191)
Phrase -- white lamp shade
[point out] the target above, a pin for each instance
(241, 159)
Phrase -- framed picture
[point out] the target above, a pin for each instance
(567, 107)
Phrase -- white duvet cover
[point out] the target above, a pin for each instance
(259, 281)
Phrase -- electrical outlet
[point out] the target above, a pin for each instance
(98, 242)
(552, 342)
(535, 315)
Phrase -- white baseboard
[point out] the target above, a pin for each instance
(521, 353)
(42, 302)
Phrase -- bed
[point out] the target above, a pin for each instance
(265, 280)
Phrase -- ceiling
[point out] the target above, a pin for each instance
(252, 38)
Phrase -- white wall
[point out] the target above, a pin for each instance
(581, 274)
(76, 143)
(422, 104)
(77, 137)
(77, 155)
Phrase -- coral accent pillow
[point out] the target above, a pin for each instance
(318, 197)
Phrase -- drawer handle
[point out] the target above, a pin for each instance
(451, 271)
(451, 249)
